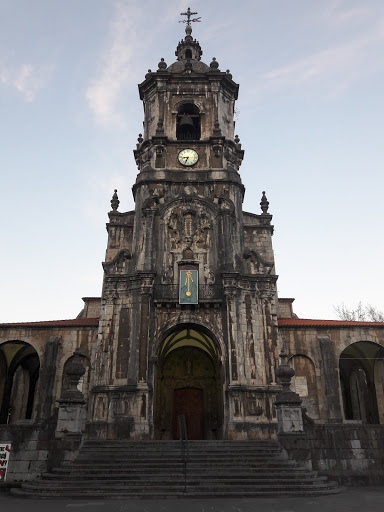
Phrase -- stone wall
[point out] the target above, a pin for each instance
(351, 454)
(35, 450)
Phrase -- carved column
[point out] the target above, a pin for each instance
(145, 323)
(149, 224)
(227, 256)
(105, 339)
(230, 292)
(270, 328)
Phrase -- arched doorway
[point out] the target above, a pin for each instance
(19, 374)
(188, 382)
(361, 376)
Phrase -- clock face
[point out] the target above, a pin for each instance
(188, 157)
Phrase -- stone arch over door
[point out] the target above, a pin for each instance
(362, 384)
(19, 374)
(188, 381)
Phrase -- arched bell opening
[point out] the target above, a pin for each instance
(188, 382)
(19, 374)
(188, 122)
(362, 378)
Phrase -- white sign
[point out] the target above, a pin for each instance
(5, 450)
(301, 386)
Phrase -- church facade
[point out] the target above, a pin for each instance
(189, 322)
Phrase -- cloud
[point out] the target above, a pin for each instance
(104, 92)
(26, 79)
(337, 14)
(336, 67)
(120, 65)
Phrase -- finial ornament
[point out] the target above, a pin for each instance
(214, 64)
(189, 13)
(264, 203)
(115, 201)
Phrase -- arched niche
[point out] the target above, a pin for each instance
(19, 374)
(304, 383)
(361, 379)
(188, 382)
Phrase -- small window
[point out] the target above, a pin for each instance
(188, 54)
(188, 123)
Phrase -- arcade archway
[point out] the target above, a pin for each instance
(188, 382)
(19, 374)
(362, 378)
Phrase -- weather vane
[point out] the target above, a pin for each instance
(189, 14)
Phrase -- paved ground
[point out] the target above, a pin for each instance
(365, 499)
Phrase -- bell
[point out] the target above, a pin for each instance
(186, 121)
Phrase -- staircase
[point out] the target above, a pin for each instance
(155, 469)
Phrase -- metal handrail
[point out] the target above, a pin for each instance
(182, 424)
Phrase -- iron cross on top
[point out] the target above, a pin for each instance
(189, 14)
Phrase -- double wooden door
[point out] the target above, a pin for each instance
(189, 401)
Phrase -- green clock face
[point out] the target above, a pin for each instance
(188, 157)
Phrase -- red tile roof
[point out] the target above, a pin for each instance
(77, 322)
(304, 322)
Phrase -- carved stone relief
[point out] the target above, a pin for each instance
(188, 228)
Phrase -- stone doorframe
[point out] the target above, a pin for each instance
(188, 355)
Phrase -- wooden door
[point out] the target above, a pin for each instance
(189, 401)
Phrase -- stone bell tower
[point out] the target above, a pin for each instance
(188, 321)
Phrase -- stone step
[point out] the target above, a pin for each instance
(178, 479)
(169, 490)
(228, 473)
(118, 469)
(191, 459)
(180, 494)
(216, 443)
(163, 481)
(176, 453)
(211, 484)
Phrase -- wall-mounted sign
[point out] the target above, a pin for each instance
(301, 386)
(5, 450)
(188, 287)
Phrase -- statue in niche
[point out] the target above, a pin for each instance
(172, 224)
(188, 367)
(167, 276)
(208, 275)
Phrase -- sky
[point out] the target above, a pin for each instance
(310, 119)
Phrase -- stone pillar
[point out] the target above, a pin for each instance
(227, 253)
(230, 322)
(72, 404)
(47, 378)
(288, 403)
(149, 220)
(330, 377)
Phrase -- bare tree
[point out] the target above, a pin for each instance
(361, 313)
